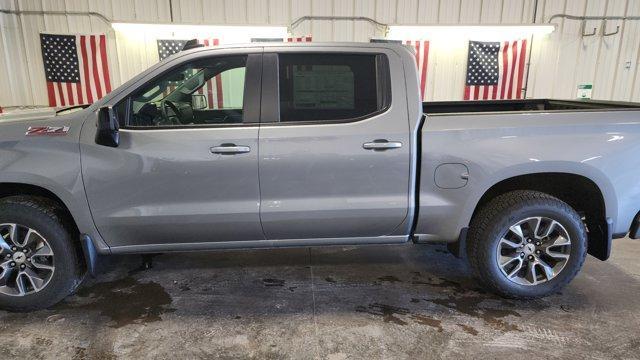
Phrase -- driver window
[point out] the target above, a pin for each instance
(204, 92)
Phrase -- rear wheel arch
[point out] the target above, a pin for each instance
(580, 192)
(536, 248)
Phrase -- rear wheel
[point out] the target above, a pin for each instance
(526, 244)
(38, 262)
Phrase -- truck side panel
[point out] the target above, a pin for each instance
(50, 162)
(489, 148)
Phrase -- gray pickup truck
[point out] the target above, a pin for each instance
(273, 145)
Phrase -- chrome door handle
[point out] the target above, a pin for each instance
(382, 144)
(228, 149)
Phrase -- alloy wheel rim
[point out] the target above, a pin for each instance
(26, 260)
(533, 250)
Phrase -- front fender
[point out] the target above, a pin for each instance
(50, 162)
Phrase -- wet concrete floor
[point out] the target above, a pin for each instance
(391, 302)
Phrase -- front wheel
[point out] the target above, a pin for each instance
(526, 244)
(38, 260)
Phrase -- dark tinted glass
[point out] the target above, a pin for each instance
(203, 92)
(331, 87)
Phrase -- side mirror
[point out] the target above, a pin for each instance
(108, 133)
(198, 102)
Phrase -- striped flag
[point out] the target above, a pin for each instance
(212, 87)
(422, 60)
(76, 68)
(299, 39)
(495, 70)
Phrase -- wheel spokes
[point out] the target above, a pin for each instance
(28, 260)
(31, 237)
(552, 226)
(29, 281)
(44, 250)
(6, 272)
(4, 246)
(9, 235)
(534, 226)
(509, 243)
(548, 270)
(35, 261)
(533, 250)
(557, 255)
(516, 269)
(532, 274)
(517, 230)
(13, 234)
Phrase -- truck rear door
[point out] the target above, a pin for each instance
(334, 149)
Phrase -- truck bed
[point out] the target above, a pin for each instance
(450, 107)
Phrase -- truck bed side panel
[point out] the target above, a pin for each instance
(601, 146)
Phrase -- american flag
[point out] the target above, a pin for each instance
(422, 60)
(167, 48)
(306, 38)
(213, 87)
(495, 70)
(75, 68)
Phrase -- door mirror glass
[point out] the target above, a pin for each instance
(108, 132)
(199, 102)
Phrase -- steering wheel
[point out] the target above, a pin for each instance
(174, 108)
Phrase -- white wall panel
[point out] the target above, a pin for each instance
(343, 30)
(449, 12)
(428, 12)
(559, 62)
(627, 62)
(471, 12)
(606, 68)
(491, 11)
(364, 30)
(322, 30)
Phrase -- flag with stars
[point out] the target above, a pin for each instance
(167, 48)
(75, 68)
(212, 88)
(495, 70)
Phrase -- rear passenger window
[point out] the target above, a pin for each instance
(332, 87)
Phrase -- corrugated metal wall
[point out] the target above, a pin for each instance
(559, 61)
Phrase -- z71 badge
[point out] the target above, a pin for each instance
(47, 130)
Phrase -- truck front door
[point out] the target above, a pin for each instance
(186, 169)
(334, 145)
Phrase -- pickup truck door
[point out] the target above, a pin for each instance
(178, 178)
(334, 144)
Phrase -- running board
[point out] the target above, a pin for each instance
(259, 244)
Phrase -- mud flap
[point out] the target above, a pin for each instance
(459, 248)
(90, 254)
(600, 238)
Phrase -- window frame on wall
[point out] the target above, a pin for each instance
(271, 105)
(251, 95)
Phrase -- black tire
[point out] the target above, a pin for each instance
(492, 221)
(45, 217)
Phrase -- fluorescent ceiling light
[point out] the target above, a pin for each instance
(472, 32)
(226, 34)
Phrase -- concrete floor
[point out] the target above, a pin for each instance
(411, 302)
